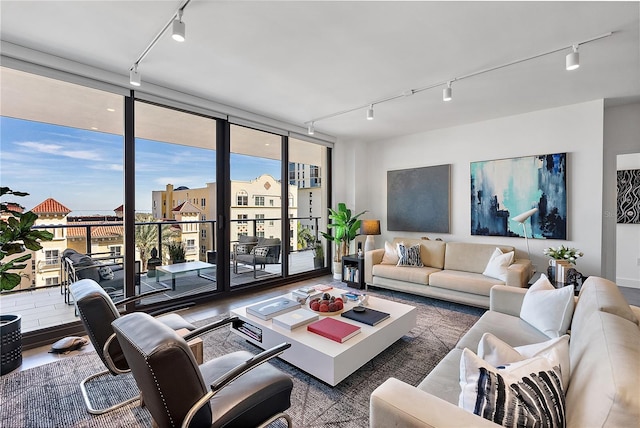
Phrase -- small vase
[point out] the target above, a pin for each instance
(557, 271)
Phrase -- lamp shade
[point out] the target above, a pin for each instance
(521, 218)
(370, 227)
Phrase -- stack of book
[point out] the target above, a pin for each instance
(351, 274)
(334, 329)
(305, 292)
(366, 315)
(294, 319)
(271, 308)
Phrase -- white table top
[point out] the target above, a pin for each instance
(185, 267)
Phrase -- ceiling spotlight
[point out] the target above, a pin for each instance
(178, 30)
(447, 93)
(370, 112)
(573, 59)
(134, 76)
(310, 129)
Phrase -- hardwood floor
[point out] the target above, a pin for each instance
(39, 356)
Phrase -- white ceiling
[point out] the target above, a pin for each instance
(297, 60)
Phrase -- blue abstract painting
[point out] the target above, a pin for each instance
(504, 188)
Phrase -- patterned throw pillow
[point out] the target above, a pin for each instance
(241, 249)
(409, 256)
(105, 272)
(524, 394)
(261, 251)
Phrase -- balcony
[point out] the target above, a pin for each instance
(48, 306)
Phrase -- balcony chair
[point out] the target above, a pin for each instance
(265, 252)
(97, 311)
(104, 268)
(235, 390)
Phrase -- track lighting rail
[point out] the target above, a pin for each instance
(448, 82)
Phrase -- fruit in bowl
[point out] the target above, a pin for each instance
(326, 304)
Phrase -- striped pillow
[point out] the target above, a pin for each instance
(409, 256)
(524, 394)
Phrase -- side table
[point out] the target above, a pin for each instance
(353, 271)
(196, 345)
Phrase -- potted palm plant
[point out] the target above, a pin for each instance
(345, 228)
(177, 252)
(16, 237)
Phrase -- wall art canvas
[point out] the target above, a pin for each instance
(629, 196)
(504, 188)
(418, 199)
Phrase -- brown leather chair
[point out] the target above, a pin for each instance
(236, 390)
(97, 311)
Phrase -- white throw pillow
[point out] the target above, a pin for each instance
(525, 394)
(547, 308)
(499, 353)
(498, 265)
(390, 255)
(409, 256)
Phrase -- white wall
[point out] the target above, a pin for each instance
(575, 129)
(621, 136)
(628, 237)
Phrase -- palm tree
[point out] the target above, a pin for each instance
(305, 237)
(147, 237)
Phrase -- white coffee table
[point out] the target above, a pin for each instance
(178, 268)
(323, 358)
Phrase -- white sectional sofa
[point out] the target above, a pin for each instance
(452, 271)
(604, 354)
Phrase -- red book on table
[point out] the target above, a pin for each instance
(334, 329)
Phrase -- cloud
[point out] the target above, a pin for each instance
(60, 150)
(108, 167)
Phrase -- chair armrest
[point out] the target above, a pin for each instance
(518, 273)
(373, 257)
(506, 299)
(398, 404)
(233, 374)
(207, 328)
(251, 363)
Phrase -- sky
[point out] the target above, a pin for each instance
(83, 170)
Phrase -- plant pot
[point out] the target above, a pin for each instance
(11, 343)
(337, 271)
(318, 263)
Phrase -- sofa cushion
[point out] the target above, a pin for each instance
(409, 256)
(524, 394)
(599, 294)
(390, 256)
(499, 353)
(547, 308)
(508, 328)
(498, 264)
(418, 275)
(468, 282)
(431, 252)
(470, 257)
(443, 381)
(605, 369)
(85, 266)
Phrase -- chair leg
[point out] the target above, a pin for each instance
(274, 418)
(87, 402)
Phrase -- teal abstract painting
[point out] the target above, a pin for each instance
(502, 189)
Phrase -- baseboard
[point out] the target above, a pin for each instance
(628, 282)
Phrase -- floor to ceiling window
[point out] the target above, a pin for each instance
(256, 205)
(175, 200)
(307, 170)
(63, 144)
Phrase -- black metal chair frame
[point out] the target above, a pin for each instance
(111, 366)
(234, 373)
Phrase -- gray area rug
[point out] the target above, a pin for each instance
(49, 395)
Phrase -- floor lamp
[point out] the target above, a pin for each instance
(370, 228)
(522, 218)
